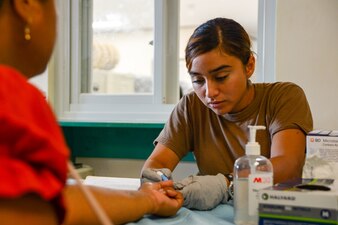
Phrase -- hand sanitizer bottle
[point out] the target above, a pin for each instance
(251, 173)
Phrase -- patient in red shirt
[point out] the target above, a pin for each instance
(33, 153)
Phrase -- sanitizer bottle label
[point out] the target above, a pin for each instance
(257, 182)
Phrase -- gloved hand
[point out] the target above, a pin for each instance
(155, 175)
(203, 192)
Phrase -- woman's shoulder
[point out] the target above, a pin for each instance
(15, 88)
(277, 84)
(10, 76)
(12, 80)
(278, 87)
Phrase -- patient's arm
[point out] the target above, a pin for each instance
(29, 209)
(122, 206)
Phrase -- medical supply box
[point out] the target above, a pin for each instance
(299, 202)
(321, 154)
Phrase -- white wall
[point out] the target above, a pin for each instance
(307, 54)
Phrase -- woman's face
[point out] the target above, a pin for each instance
(221, 81)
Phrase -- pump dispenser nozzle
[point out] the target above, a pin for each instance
(252, 147)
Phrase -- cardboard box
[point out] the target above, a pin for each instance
(296, 203)
(321, 155)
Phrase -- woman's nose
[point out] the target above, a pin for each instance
(211, 89)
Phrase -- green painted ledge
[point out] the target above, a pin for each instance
(112, 140)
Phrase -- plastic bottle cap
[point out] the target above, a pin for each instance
(252, 149)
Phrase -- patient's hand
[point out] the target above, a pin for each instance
(165, 199)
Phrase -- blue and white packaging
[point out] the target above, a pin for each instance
(321, 154)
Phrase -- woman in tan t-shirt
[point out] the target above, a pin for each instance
(212, 121)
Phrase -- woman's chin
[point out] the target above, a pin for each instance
(219, 112)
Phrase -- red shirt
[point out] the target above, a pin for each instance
(33, 153)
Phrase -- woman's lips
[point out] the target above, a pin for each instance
(215, 104)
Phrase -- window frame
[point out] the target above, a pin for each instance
(72, 105)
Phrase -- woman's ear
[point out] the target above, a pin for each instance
(28, 10)
(250, 66)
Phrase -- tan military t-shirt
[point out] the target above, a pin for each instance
(217, 141)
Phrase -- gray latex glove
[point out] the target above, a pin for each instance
(155, 175)
(203, 192)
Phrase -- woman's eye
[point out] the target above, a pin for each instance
(198, 81)
(221, 78)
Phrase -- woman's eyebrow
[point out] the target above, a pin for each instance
(192, 73)
(222, 67)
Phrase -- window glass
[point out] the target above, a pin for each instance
(123, 34)
(123, 60)
(122, 47)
